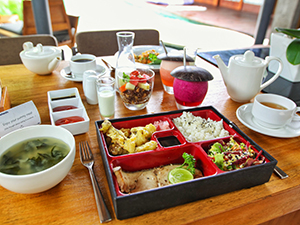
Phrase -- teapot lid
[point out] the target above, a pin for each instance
(38, 51)
(248, 59)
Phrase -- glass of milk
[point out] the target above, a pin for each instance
(106, 93)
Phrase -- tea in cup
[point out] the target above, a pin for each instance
(274, 111)
(82, 62)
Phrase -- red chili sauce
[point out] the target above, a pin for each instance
(67, 120)
(64, 107)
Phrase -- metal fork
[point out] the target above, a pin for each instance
(87, 159)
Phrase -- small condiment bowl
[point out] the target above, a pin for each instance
(45, 179)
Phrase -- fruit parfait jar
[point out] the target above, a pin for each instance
(169, 62)
(136, 87)
(190, 86)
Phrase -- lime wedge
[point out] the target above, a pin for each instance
(178, 175)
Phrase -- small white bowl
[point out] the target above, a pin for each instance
(43, 180)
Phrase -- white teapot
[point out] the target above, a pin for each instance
(41, 59)
(244, 74)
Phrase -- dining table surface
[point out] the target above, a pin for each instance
(72, 201)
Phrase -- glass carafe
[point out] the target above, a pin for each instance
(125, 61)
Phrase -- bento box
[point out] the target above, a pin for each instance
(172, 142)
(67, 110)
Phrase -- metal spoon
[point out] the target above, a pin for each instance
(110, 67)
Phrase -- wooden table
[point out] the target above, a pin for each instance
(72, 201)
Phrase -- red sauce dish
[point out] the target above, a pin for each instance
(64, 107)
(67, 120)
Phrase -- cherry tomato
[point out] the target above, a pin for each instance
(143, 78)
(134, 79)
(67, 120)
(135, 73)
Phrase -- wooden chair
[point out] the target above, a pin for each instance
(64, 26)
(12, 46)
(102, 43)
(236, 5)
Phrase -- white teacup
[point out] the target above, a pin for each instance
(274, 111)
(82, 62)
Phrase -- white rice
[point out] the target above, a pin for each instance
(196, 128)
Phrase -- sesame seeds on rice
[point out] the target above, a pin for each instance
(196, 128)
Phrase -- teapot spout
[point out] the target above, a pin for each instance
(54, 63)
(223, 68)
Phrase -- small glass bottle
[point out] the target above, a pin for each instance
(125, 61)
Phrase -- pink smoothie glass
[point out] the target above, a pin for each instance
(190, 86)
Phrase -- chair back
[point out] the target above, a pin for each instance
(60, 21)
(12, 46)
(102, 43)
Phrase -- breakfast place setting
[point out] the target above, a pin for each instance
(148, 135)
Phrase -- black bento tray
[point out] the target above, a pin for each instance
(214, 182)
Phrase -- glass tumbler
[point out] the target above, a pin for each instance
(136, 87)
(165, 70)
(106, 94)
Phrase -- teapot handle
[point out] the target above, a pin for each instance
(276, 75)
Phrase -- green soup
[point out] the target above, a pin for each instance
(33, 155)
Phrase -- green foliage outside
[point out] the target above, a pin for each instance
(10, 7)
(293, 50)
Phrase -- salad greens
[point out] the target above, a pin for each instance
(232, 155)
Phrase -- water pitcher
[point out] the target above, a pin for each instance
(125, 61)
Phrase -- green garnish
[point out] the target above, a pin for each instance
(154, 59)
(126, 77)
(189, 162)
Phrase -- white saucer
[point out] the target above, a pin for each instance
(67, 74)
(244, 115)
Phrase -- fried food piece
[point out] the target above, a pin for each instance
(142, 134)
(117, 138)
(150, 145)
(131, 182)
(126, 132)
(132, 140)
